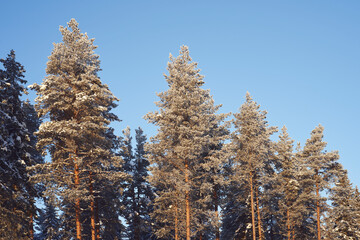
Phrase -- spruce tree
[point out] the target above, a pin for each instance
(252, 150)
(17, 152)
(138, 195)
(178, 152)
(48, 223)
(78, 107)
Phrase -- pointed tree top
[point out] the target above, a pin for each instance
(248, 97)
(184, 53)
(284, 129)
(73, 24)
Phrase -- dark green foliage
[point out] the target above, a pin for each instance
(138, 194)
(17, 125)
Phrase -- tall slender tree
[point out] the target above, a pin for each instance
(138, 195)
(77, 105)
(322, 164)
(289, 188)
(252, 149)
(17, 152)
(186, 116)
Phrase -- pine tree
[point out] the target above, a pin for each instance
(252, 150)
(322, 164)
(177, 153)
(342, 222)
(138, 195)
(303, 223)
(17, 152)
(289, 184)
(236, 220)
(77, 105)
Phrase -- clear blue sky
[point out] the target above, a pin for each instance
(298, 59)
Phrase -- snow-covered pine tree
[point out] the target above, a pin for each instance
(342, 221)
(17, 152)
(209, 179)
(236, 218)
(303, 225)
(138, 195)
(322, 164)
(289, 188)
(252, 149)
(77, 105)
(185, 120)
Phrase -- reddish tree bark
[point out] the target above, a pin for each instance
(318, 212)
(92, 208)
(176, 224)
(77, 203)
(258, 213)
(187, 202)
(252, 206)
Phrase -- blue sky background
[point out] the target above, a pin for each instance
(298, 59)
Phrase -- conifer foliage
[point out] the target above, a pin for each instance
(138, 194)
(322, 165)
(17, 152)
(343, 218)
(77, 106)
(178, 151)
(193, 180)
(252, 151)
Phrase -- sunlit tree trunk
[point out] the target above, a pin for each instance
(187, 202)
(252, 206)
(288, 224)
(258, 214)
(77, 203)
(176, 223)
(216, 206)
(92, 207)
(318, 211)
(97, 229)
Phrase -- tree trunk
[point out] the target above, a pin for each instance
(288, 223)
(187, 201)
(92, 208)
(97, 229)
(31, 227)
(252, 206)
(318, 211)
(176, 223)
(258, 213)
(77, 203)
(216, 203)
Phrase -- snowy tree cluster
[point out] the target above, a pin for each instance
(200, 177)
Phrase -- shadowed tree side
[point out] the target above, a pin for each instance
(138, 194)
(17, 152)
